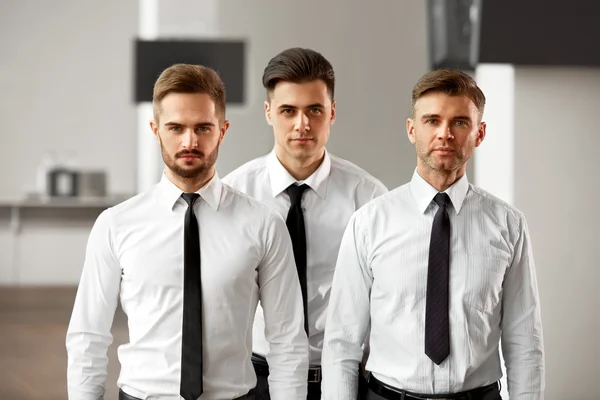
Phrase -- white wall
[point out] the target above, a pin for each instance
(556, 167)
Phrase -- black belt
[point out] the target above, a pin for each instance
(262, 369)
(391, 393)
(125, 396)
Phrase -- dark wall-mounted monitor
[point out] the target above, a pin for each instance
(541, 32)
(225, 56)
(464, 33)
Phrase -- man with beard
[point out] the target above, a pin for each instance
(314, 190)
(189, 260)
(439, 271)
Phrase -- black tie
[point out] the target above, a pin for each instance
(437, 324)
(191, 348)
(295, 224)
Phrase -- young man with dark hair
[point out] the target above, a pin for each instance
(315, 191)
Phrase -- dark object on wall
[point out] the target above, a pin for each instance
(453, 27)
(541, 32)
(62, 182)
(226, 57)
(92, 184)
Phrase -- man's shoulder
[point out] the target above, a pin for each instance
(245, 205)
(134, 203)
(248, 169)
(387, 201)
(353, 172)
(492, 202)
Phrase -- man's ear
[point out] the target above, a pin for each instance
(223, 129)
(480, 133)
(154, 127)
(268, 112)
(410, 130)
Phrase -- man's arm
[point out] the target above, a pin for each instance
(88, 335)
(348, 317)
(522, 343)
(281, 301)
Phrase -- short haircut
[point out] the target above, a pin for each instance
(187, 78)
(452, 83)
(298, 65)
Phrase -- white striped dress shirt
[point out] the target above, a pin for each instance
(380, 284)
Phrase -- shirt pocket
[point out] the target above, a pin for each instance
(484, 277)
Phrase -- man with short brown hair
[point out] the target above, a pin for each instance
(438, 271)
(189, 260)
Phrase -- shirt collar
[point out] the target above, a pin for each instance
(423, 192)
(169, 194)
(280, 178)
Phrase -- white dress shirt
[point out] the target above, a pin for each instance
(337, 189)
(380, 283)
(135, 253)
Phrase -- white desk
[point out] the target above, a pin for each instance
(53, 210)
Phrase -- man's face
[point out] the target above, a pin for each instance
(301, 115)
(445, 131)
(189, 131)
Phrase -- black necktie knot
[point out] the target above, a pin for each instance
(190, 198)
(442, 199)
(295, 192)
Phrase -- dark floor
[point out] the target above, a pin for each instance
(33, 359)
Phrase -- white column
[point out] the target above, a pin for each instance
(178, 19)
(494, 160)
(149, 165)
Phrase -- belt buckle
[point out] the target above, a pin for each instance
(316, 373)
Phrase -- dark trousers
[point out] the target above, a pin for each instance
(125, 396)
(489, 394)
(313, 388)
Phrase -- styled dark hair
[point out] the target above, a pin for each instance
(187, 78)
(452, 83)
(298, 65)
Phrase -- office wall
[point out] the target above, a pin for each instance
(65, 79)
(556, 175)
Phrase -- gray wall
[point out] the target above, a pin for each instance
(378, 50)
(65, 79)
(556, 186)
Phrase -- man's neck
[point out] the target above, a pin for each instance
(300, 169)
(440, 180)
(190, 185)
